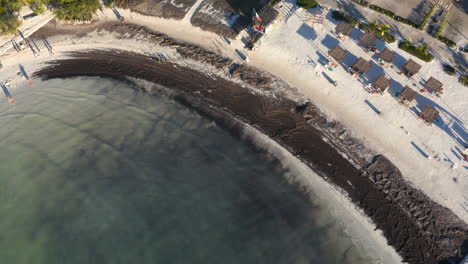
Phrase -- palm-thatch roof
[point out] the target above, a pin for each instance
(387, 55)
(362, 65)
(408, 94)
(412, 67)
(429, 113)
(337, 53)
(344, 28)
(368, 39)
(382, 82)
(434, 85)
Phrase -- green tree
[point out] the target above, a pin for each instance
(372, 26)
(37, 6)
(383, 28)
(307, 3)
(9, 21)
(75, 9)
(423, 48)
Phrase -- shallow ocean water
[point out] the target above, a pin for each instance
(97, 171)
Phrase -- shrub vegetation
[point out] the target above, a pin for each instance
(427, 17)
(307, 3)
(449, 70)
(447, 41)
(442, 25)
(464, 80)
(419, 52)
(340, 16)
(9, 22)
(75, 9)
(380, 31)
(361, 2)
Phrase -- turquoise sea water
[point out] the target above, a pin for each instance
(97, 171)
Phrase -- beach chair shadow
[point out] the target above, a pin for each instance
(373, 107)
(322, 59)
(419, 149)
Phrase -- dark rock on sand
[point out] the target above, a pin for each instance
(447, 232)
(250, 75)
(158, 8)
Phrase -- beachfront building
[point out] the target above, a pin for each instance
(429, 114)
(411, 68)
(381, 84)
(335, 56)
(434, 86)
(343, 30)
(407, 96)
(263, 20)
(386, 57)
(368, 40)
(360, 67)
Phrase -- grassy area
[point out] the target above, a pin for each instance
(440, 29)
(442, 25)
(307, 3)
(340, 16)
(419, 52)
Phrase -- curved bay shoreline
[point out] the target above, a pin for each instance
(420, 230)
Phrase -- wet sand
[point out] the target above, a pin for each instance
(282, 120)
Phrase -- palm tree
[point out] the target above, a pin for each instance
(423, 48)
(372, 26)
(383, 28)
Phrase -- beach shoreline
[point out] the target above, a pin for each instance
(395, 206)
(282, 120)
